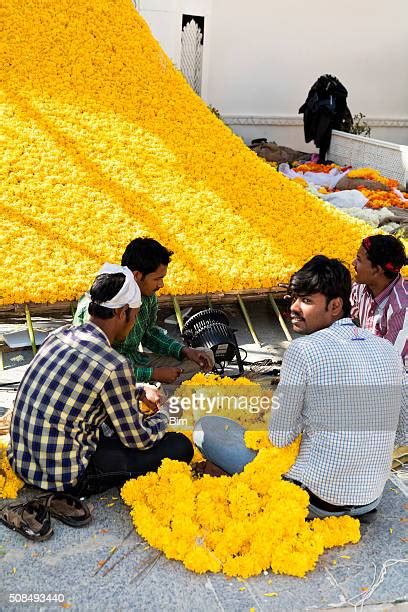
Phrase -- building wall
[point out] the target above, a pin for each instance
(260, 59)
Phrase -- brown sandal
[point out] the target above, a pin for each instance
(31, 519)
(66, 508)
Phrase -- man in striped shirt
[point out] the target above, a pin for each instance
(379, 298)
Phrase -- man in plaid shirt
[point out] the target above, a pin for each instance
(75, 384)
(170, 361)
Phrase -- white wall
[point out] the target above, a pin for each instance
(261, 58)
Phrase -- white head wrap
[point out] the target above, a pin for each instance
(129, 292)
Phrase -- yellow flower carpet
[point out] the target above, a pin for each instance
(103, 140)
(239, 525)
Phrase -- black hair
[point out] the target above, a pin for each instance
(145, 255)
(323, 275)
(387, 252)
(104, 288)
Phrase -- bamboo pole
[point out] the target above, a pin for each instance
(248, 320)
(30, 329)
(209, 301)
(178, 314)
(280, 318)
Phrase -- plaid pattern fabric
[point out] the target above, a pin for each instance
(145, 332)
(385, 315)
(75, 382)
(341, 387)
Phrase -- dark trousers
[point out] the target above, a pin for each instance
(113, 463)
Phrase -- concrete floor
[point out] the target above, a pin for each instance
(107, 565)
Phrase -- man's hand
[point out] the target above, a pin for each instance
(198, 356)
(167, 374)
(152, 398)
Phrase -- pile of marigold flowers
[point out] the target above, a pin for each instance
(10, 483)
(382, 199)
(243, 400)
(239, 525)
(104, 140)
(372, 175)
(314, 167)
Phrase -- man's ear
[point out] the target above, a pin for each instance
(138, 276)
(336, 306)
(121, 313)
(378, 271)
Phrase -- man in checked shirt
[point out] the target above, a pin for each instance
(341, 387)
(169, 360)
(76, 383)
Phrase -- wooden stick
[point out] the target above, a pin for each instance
(248, 320)
(13, 311)
(177, 311)
(30, 329)
(280, 318)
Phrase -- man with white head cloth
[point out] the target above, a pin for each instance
(76, 383)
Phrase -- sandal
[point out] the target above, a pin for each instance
(66, 508)
(31, 519)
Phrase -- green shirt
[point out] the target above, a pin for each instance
(145, 332)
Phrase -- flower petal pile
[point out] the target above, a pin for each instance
(239, 525)
(103, 140)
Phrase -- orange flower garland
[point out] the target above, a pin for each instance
(381, 199)
(372, 175)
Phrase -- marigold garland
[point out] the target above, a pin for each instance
(314, 167)
(221, 524)
(240, 399)
(104, 141)
(372, 175)
(210, 380)
(383, 199)
(239, 525)
(10, 483)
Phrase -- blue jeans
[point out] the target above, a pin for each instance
(221, 441)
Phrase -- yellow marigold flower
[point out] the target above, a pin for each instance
(10, 483)
(257, 439)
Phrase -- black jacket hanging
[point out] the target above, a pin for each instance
(325, 109)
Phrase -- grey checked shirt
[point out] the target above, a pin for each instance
(345, 390)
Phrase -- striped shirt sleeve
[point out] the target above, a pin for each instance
(354, 300)
(397, 329)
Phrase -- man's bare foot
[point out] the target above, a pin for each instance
(209, 468)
